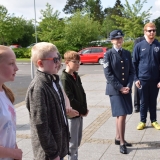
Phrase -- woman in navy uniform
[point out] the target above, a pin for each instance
(119, 73)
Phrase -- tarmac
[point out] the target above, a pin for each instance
(99, 128)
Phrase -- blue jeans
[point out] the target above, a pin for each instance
(148, 97)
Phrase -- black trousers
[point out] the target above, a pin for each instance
(136, 98)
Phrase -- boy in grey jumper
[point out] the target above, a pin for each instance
(45, 102)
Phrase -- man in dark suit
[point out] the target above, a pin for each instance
(136, 94)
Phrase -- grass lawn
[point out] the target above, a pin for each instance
(27, 60)
(23, 60)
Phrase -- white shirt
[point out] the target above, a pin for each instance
(55, 87)
(7, 123)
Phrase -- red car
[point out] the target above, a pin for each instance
(15, 46)
(92, 55)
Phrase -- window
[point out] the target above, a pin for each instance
(85, 51)
(97, 50)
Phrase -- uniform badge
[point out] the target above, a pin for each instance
(156, 49)
(119, 33)
(105, 65)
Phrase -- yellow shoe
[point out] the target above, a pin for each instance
(141, 126)
(156, 125)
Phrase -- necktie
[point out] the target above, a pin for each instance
(120, 52)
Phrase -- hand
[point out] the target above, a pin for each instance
(138, 84)
(68, 110)
(125, 90)
(85, 115)
(73, 113)
(158, 85)
(57, 158)
(18, 154)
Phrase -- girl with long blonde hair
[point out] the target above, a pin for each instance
(8, 68)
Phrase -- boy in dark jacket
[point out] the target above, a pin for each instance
(75, 92)
(45, 102)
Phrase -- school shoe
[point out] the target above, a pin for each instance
(141, 126)
(123, 149)
(156, 125)
(136, 109)
(117, 142)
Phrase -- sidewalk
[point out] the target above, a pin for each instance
(99, 129)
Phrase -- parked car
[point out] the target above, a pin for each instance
(31, 45)
(15, 46)
(92, 55)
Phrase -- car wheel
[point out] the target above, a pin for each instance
(100, 61)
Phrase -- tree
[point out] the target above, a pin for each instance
(133, 18)
(109, 22)
(74, 5)
(28, 34)
(157, 23)
(107, 26)
(94, 8)
(116, 10)
(51, 28)
(11, 27)
(81, 29)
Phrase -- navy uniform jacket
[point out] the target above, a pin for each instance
(118, 71)
(146, 61)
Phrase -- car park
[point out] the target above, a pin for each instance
(92, 55)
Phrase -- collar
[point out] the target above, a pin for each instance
(48, 78)
(117, 48)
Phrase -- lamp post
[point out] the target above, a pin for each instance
(35, 27)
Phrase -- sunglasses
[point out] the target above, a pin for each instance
(151, 30)
(54, 59)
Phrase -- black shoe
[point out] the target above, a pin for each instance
(117, 142)
(123, 149)
(136, 109)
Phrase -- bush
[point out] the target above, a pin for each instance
(128, 46)
(158, 38)
(22, 52)
(63, 47)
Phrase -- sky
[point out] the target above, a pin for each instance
(25, 8)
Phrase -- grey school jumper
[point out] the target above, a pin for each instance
(49, 132)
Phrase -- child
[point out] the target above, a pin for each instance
(45, 102)
(69, 111)
(8, 68)
(75, 92)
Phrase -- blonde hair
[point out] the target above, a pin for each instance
(150, 24)
(41, 50)
(8, 92)
(69, 55)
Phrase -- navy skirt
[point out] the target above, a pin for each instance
(121, 104)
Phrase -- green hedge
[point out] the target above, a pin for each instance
(22, 52)
(64, 47)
